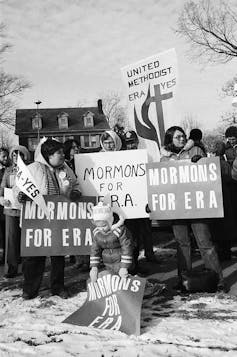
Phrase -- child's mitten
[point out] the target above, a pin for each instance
(94, 274)
(123, 272)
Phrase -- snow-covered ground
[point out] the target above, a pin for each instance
(190, 326)
(171, 325)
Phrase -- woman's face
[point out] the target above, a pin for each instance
(179, 139)
(232, 140)
(74, 150)
(57, 159)
(109, 144)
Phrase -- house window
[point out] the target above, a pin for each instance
(32, 143)
(90, 141)
(37, 122)
(85, 141)
(63, 121)
(88, 120)
(95, 141)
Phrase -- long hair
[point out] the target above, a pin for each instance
(67, 147)
(168, 140)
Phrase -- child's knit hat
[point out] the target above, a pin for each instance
(102, 212)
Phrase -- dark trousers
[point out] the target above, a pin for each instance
(142, 235)
(13, 239)
(2, 234)
(203, 238)
(33, 270)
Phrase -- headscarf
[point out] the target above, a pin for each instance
(116, 139)
(22, 149)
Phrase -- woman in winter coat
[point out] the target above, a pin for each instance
(12, 215)
(110, 141)
(53, 177)
(71, 147)
(224, 229)
(174, 149)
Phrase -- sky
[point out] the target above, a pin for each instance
(72, 52)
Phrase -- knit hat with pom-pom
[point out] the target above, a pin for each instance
(102, 212)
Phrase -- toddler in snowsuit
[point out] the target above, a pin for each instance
(112, 243)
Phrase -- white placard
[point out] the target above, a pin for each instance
(119, 174)
(151, 85)
(10, 196)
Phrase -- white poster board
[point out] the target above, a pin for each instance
(9, 194)
(121, 175)
(151, 85)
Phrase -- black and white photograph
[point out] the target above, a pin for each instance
(118, 178)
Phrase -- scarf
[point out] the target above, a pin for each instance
(52, 185)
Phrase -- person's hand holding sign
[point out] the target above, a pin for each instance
(4, 202)
(123, 273)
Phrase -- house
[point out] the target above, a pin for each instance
(82, 124)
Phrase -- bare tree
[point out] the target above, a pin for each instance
(113, 109)
(210, 27)
(189, 123)
(229, 118)
(7, 136)
(11, 86)
(228, 87)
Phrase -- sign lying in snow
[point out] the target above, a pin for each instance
(69, 230)
(112, 303)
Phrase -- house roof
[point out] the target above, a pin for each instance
(50, 120)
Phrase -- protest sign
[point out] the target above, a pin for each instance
(9, 195)
(112, 303)
(151, 84)
(121, 175)
(69, 230)
(26, 183)
(182, 189)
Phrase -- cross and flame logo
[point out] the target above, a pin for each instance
(148, 130)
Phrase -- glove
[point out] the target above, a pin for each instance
(195, 158)
(94, 274)
(123, 273)
(188, 145)
(4, 202)
(22, 197)
(75, 195)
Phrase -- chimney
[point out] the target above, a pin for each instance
(100, 107)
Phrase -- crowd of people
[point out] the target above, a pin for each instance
(54, 170)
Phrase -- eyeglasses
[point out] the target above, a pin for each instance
(179, 137)
(108, 143)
